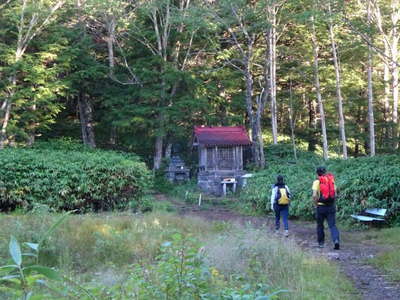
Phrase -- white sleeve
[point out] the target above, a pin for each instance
(273, 195)
(290, 194)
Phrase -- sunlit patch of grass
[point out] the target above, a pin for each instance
(100, 249)
(281, 264)
(389, 260)
(86, 241)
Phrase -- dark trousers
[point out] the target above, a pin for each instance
(327, 212)
(281, 210)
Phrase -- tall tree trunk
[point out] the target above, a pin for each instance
(32, 127)
(387, 113)
(318, 91)
(158, 147)
(250, 113)
(338, 84)
(390, 58)
(110, 26)
(395, 17)
(8, 105)
(395, 91)
(272, 73)
(168, 151)
(113, 135)
(260, 100)
(386, 91)
(86, 120)
(291, 121)
(312, 123)
(371, 119)
(6, 118)
(254, 112)
(160, 135)
(84, 106)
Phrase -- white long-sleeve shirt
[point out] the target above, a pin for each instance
(273, 194)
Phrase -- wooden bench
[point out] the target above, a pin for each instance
(372, 215)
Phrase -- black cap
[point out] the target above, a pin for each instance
(321, 170)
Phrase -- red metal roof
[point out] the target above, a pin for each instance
(222, 135)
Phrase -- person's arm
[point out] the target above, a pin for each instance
(273, 195)
(289, 193)
(315, 192)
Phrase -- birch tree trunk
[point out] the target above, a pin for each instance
(85, 107)
(254, 110)
(272, 72)
(255, 149)
(386, 94)
(312, 122)
(86, 120)
(163, 24)
(291, 121)
(168, 151)
(390, 41)
(158, 147)
(113, 135)
(7, 108)
(4, 125)
(32, 126)
(371, 119)
(338, 83)
(395, 16)
(110, 27)
(318, 89)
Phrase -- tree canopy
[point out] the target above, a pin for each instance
(139, 75)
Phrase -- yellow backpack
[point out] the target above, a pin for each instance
(282, 197)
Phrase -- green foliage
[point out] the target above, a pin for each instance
(20, 278)
(129, 256)
(361, 183)
(68, 180)
(179, 273)
(368, 182)
(182, 273)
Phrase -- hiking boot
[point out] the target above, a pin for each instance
(337, 246)
(321, 245)
(286, 233)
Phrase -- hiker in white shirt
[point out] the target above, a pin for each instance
(280, 198)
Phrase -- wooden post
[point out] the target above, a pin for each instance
(216, 158)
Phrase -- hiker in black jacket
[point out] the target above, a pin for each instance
(324, 195)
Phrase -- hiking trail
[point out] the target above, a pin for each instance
(370, 282)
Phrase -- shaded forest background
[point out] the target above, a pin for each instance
(139, 75)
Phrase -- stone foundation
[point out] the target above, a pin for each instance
(210, 182)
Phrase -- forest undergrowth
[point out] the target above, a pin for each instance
(159, 255)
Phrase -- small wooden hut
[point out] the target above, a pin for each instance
(220, 156)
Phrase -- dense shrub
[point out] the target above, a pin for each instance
(368, 182)
(361, 182)
(68, 179)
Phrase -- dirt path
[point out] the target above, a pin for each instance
(371, 283)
